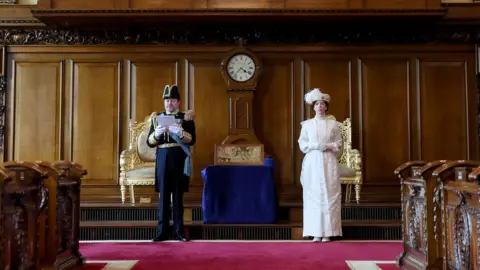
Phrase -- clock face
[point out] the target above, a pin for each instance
(241, 68)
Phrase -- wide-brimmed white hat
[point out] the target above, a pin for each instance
(316, 95)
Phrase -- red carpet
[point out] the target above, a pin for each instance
(94, 266)
(242, 255)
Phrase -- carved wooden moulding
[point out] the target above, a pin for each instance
(239, 154)
(461, 214)
(205, 34)
(421, 244)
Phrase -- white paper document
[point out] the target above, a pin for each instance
(166, 120)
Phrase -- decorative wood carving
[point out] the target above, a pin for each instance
(459, 197)
(420, 239)
(5, 177)
(234, 154)
(231, 33)
(25, 201)
(3, 92)
(64, 214)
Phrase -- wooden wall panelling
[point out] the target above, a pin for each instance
(167, 4)
(446, 88)
(66, 107)
(230, 4)
(45, 4)
(312, 4)
(383, 89)
(210, 102)
(273, 109)
(336, 75)
(73, 4)
(401, 4)
(95, 118)
(433, 3)
(333, 74)
(147, 78)
(384, 141)
(36, 108)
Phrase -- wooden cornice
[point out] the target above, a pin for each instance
(463, 13)
(35, 16)
(70, 18)
(18, 16)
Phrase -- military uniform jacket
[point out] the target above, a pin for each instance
(169, 155)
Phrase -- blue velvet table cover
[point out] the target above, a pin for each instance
(239, 195)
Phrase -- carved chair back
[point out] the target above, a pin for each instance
(460, 208)
(344, 157)
(24, 203)
(5, 255)
(64, 209)
(144, 155)
(421, 245)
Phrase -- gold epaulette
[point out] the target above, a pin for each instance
(154, 114)
(153, 118)
(189, 115)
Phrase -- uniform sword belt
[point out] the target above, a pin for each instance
(168, 145)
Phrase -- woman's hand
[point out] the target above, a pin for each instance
(318, 146)
(331, 147)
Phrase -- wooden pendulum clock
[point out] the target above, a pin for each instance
(241, 70)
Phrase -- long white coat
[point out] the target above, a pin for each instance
(320, 179)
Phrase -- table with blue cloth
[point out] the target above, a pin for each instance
(239, 194)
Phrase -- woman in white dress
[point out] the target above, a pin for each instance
(320, 140)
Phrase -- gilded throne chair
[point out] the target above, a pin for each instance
(350, 162)
(137, 163)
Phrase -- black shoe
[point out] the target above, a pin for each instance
(182, 238)
(160, 238)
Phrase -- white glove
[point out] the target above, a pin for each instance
(318, 146)
(331, 147)
(159, 131)
(176, 130)
(322, 147)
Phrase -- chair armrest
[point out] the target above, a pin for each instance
(355, 160)
(127, 158)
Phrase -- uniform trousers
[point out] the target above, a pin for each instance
(171, 189)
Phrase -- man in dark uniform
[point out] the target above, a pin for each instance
(173, 162)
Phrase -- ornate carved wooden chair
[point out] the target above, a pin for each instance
(24, 214)
(459, 200)
(350, 162)
(63, 222)
(137, 163)
(422, 245)
(5, 256)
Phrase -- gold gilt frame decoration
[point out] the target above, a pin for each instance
(239, 154)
